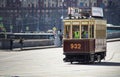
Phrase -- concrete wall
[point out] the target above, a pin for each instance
(5, 43)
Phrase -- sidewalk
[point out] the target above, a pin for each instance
(112, 40)
(33, 48)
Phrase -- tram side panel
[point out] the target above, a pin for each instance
(100, 42)
(100, 45)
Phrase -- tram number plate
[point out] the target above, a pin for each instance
(75, 46)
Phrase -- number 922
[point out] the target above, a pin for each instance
(75, 46)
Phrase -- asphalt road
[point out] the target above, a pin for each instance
(49, 63)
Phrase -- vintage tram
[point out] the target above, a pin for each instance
(84, 40)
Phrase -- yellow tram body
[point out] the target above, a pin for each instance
(84, 40)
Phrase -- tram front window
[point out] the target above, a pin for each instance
(67, 32)
(84, 30)
(76, 31)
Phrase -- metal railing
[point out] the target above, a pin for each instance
(113, 35)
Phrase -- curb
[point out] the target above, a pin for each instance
(33, 48)
(113, 40)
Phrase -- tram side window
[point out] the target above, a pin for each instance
(84, 31)
(76, 31)
(92, 31)
(67, 32)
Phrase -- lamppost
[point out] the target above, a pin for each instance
(62, 15)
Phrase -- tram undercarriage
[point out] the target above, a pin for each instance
(84, 57)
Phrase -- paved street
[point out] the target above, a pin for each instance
(49, 63)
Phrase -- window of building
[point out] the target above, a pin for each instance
(52, 5)
(81, 4)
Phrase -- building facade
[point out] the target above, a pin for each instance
(39, 15)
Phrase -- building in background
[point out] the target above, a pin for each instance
(41, 15)
(113, 12)
(2, 3)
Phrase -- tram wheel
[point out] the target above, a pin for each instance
(99, 58)
(92, 59)
(71, 62)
